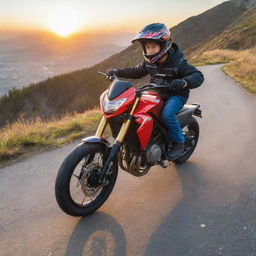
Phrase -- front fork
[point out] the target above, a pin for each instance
(118, 141)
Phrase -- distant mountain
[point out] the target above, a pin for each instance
(80, 90)
(27, 58)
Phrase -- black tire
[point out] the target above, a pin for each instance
(65, 173)
(193, 128)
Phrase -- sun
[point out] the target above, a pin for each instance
(64, 21)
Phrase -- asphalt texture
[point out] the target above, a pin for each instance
(206, 206)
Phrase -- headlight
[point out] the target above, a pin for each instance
(110, 106)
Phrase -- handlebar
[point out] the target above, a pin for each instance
(111, 78)
(145, 87)
(150, 87)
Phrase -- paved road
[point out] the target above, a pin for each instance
(206, 206)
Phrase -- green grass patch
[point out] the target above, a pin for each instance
(24, 138)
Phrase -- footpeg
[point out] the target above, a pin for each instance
(165, 163)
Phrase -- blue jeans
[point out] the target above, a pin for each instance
(173, 105)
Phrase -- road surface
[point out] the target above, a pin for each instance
(206, 206)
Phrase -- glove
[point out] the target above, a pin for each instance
(178, 84)
(111, 72)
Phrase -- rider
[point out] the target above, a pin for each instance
(162, 56)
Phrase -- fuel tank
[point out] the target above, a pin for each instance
(150, 102)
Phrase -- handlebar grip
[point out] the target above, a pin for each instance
(101, 73)
(111, 78)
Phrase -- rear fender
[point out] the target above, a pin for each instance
(185, 115)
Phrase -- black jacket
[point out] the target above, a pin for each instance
(174, 65)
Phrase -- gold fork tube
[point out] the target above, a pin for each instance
(102, 126)
(126, 123)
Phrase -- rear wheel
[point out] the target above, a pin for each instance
(191, 134)
(77, 190)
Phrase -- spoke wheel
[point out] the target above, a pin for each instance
(83, 183)
(77, 190)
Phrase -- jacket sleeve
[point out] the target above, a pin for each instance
(193, 76)
(133, 72)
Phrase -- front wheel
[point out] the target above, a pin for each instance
(191, 134)
(76, 188)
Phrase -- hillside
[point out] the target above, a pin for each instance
(248, 4)
(72, 92)
(204, 27)
(80, 90)
(239, 35)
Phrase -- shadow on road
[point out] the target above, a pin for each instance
(206, 221)
(173, 235)
(97, 234)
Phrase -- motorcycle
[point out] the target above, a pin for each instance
(88, 174)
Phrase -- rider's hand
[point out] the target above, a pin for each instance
(111, 72)
(178, 84)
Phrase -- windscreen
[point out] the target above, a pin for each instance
(117, 88)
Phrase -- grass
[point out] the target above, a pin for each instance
(240, 65)
(24, 138)
(215, 57)
(243, 70)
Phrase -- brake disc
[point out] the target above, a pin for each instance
(87, 188)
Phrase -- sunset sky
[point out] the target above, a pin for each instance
(65, 17)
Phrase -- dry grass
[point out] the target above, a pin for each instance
(23, 137)
(243, 70)
(216, 57)
(241, 65)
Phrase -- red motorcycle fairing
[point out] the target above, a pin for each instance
(145, 129)
(149, 103)
(129, 94)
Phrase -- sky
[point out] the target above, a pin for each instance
(64, 17)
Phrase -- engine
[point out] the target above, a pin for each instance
(153, 153)
(139, 164)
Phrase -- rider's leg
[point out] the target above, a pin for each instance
(173, 105)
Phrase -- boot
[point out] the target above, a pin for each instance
(176, 150)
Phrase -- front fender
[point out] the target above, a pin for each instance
(96, 140)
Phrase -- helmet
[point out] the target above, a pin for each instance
(158, 33)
